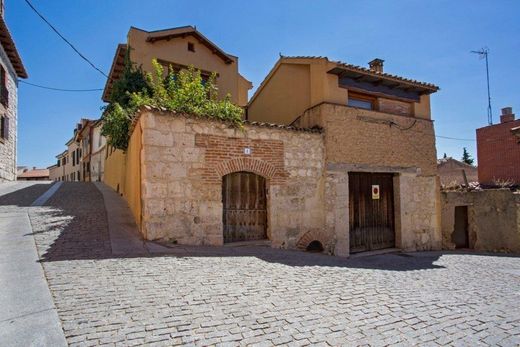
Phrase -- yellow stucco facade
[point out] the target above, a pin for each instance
(296, 84)
(123, 172)
(182, 47)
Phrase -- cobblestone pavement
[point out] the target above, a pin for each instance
(260, 296)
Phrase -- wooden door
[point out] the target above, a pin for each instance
(371, 215)
(460, 233)
(245, 207)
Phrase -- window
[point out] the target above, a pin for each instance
(191, 47)
(73, 158)
(4, 93)
(4, 128)
(366, 102)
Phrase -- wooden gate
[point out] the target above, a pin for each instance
(245, 212)
(371, 211)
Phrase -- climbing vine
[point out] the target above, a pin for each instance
(184, 91)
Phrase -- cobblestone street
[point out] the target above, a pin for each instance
(262, 296)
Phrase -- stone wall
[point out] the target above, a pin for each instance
(493, 219)
(358, 140)
(358, 136)
(9, 145)
(184, 160)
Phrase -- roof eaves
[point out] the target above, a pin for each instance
(10, 49)
(118, 59)
(384, 75)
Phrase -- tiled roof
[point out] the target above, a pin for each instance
(10, 49)
(118, 65)
(458, 162)
(246, 122)
(368, 71)
(35, 173)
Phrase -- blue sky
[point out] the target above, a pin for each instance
(425, 40)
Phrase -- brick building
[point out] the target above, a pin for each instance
(11, 68)
(498, 151)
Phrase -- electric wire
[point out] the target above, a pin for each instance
(64, 39)
(60, 89)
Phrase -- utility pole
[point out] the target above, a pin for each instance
(483, 54)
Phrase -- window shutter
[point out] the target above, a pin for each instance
(6, 128)
(4, 96)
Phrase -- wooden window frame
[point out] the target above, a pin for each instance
(363, 97)
(177, 67)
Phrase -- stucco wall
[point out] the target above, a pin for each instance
(304, 83)
(132, 185)
(115, 169)
(184, 160)
(286, 96)
(175, 50)
(493, 216)
(9, 145)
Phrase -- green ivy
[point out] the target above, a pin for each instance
(183, 92)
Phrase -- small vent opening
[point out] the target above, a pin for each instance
(315, 247)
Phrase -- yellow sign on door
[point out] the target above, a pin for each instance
(375, 192)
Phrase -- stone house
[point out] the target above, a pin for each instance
(381, 187)
(332, 156)
(498, 152)
(11, 68)
(451, 172)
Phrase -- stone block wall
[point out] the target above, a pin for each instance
(493, 219)
(8, 146)
(184, 160)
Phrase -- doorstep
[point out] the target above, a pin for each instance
(377, 252)
(261, 243)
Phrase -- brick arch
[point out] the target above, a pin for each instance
(312, 235)
(256, 166)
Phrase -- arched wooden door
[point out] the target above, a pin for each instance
(245, 207)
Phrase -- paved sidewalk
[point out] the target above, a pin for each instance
(258, 296)
(28, 316)
(124, 235)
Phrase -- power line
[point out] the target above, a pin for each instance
(64, 39)
(60, 89)
(454, 138)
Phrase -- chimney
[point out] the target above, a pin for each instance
(507, 115)
(376, 65)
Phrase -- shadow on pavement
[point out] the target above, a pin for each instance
(24, 197)
(73, 226)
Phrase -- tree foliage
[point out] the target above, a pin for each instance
(183, 92)
(466, 157)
